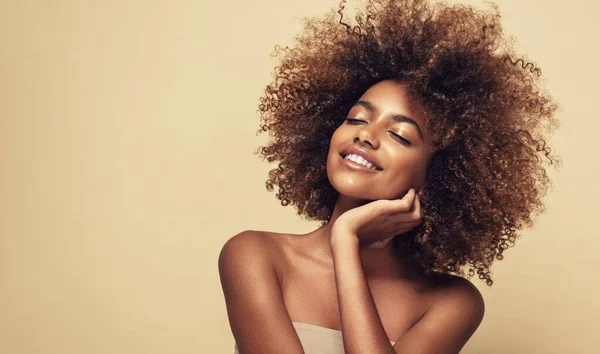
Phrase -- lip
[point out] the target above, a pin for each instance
(356, 166)
(360, 152)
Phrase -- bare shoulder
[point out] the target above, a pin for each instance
(249, 249)
(246, 241)
(458, 291)
(455, 312)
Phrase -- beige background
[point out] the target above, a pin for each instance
(126, 137)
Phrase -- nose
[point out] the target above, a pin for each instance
(366, 135)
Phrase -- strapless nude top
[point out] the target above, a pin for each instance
(317, 340)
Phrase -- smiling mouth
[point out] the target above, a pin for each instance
(352, 161)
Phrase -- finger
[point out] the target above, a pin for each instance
(405, 218)
(406, 225)
(405, 204)
(412, 219)
(417, 212)
(412, 195)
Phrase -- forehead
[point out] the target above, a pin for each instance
(393, 97)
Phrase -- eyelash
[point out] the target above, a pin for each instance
(354, 121)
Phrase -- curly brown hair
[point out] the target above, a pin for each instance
(485, 109)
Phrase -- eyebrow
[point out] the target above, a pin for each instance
(400, 118)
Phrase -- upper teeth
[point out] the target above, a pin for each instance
(360, 160)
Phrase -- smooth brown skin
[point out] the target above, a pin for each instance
(271, 279)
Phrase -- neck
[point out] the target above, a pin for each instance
(382, 261)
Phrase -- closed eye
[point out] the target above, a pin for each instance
(354, 121)
(401, 139)
(396, 136)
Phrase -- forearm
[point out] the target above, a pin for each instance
(362, 329)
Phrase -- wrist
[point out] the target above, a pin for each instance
(343, 238)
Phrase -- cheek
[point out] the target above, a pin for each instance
(419, 172)
(338, 134)
(332, 153)
(409, 171)
(334, 142)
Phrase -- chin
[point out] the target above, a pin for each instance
(352, 188)
(361, 192)
(357, 191)
(358, 198)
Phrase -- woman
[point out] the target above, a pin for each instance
(417, 138)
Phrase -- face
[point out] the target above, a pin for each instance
(385, 127)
